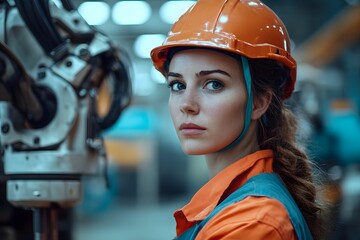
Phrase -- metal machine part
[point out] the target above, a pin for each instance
(52, 65)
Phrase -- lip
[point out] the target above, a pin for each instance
(191, 129)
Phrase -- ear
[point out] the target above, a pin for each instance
(260, 105)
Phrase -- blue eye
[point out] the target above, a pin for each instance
(214, 85)
(176, 86)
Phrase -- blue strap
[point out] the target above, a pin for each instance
(248, 111)
(262, 185)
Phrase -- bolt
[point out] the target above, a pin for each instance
(41, 71)
(76, 21)
(82, 92)
(84, 52)
(68, 63)
(41, 75)
(5, 128)
(36, 140)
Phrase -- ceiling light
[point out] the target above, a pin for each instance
(145, 43)
(94, 13)
(131, 12)
(171, 11)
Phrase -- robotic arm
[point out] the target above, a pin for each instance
(52, 65)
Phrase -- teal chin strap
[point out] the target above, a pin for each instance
(248, 110)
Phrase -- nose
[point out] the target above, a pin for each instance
(190, 103)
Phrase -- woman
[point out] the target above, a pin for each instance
(229, 69)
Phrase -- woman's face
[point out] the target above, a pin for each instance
(207, 100)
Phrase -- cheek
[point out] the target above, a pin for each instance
(229, 116)
(227, 119)
(173, 108)
(230, 110)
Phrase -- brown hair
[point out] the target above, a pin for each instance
(277, 131)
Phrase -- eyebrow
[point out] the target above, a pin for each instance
(173, 74)
(201, 73)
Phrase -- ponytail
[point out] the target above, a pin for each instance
(277, 131)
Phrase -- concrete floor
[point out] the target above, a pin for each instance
(129, 222)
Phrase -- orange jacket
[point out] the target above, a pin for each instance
(252, 218)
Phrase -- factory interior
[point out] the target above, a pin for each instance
(130, 187)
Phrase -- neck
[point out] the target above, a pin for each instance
(219, 160)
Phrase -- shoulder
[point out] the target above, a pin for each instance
(252, 218)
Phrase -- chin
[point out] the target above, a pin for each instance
(191, 149)
(194, 150)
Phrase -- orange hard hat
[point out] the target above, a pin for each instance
(245, 27)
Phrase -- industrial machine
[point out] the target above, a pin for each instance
(52, 67)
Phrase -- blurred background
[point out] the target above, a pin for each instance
(149, 175)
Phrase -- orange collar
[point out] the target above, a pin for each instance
(236, 174)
